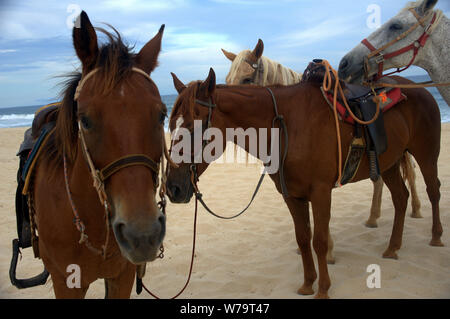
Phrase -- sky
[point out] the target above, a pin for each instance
(36, 38)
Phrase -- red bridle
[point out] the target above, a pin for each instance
(415, 46)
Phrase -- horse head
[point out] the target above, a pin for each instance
(117, 122)
(244, 65)
(194, 103)
(396, 44)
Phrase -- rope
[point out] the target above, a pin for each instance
(327, 83)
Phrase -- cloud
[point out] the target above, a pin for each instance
(140, 5)
(320, 32)
(7, 50)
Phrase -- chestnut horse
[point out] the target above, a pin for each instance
(111, 113)
(251, 67)
(311, 165)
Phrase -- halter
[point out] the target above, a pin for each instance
(100, 177)
(258, 67)
(379, 58)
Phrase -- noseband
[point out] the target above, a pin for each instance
(100, 177)
(379, 57)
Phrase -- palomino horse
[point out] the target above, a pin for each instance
(311, 168)
(111, 117)
(393, 45)
(250, 67)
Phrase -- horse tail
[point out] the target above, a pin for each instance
(407, 167)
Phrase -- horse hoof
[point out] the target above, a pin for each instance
(416, 215)
(322, 295)
(331, 260)
(371, 224)
(390, 254)
(299, 252)
(436, 243)
(305, 291)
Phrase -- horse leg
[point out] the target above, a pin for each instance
(408, 168)
(428, 167)
(376, 203)
(321, 206)
(120, 287)
(331, 260)
(300, 214)
(400, 194)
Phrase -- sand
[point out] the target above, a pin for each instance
(254, 256)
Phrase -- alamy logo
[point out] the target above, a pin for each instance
(374, 279)
(207, 146)
(74, 279)
(374, 19)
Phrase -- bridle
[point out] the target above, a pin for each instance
(258, 68)
(379, 57)
(100, 176)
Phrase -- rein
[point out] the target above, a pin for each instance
(193, 168)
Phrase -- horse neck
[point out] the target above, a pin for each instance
(247, 111)
(435, 57)
(277, 74)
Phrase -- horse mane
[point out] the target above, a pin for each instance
(115, 61)
(271, 70)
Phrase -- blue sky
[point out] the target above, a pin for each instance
(36, 43)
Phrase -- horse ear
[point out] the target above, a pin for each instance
(209, 85)
(259, 49)
(147, 58)
(426, 6)
(229, 55)
(179, 86)
(85, 41)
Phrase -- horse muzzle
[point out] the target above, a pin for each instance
(140, 241)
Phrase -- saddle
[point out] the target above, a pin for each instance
(370, 138)
(34, 138)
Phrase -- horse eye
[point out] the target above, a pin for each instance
(247, 81)
(86, 122)
(395, 27)
(162, 117)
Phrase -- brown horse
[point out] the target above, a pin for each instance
(311, 166)
(117, 112)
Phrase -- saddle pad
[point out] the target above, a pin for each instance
(392, 98)
(34, 154)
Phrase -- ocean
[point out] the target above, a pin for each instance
(22, 116)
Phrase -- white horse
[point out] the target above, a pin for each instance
(433, 57)
(417, 35)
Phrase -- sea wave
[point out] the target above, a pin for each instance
(8, 117)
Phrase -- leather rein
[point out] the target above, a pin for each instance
(193, 167)
(100, 177)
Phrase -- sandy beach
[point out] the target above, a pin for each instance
(254, 256)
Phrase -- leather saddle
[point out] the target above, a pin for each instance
(43, 122)
(362, 104)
